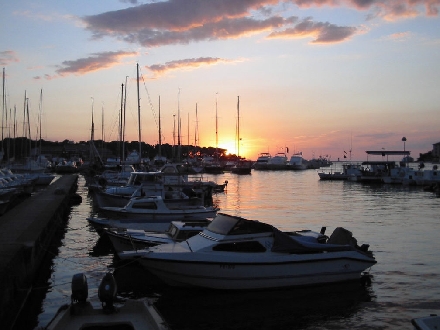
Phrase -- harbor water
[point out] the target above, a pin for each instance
(400, 223)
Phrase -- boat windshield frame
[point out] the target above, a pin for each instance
(224, 224)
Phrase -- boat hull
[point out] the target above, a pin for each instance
(294, 270)
(166, 217)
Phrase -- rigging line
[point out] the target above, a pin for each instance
(150, 102)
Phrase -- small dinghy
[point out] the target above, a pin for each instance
(81, 314)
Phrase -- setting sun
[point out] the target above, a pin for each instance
(231, 148)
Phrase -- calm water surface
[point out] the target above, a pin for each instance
(400, 223)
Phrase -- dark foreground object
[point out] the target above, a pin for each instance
(25, 234)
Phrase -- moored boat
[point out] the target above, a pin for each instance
(132, 239)
(242, 167)
(262, 160)
(348, 170)
(233, 253)
(134, 314)
(297, 162)
(154, 208)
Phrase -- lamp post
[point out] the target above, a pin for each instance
(404, 155)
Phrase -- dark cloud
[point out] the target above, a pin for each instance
(392, 9)
(385, 8)
(95, 62)
(169, 22)
(173, 15)
(225, 29)
(183, 21)
(160, 69)
(8, 56)
(320, 32)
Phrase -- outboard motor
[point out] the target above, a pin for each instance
(79, 288)
(107, 292)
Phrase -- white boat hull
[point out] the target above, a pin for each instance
(296, 270)
(190, 214)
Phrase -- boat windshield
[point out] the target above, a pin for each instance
(222, 224)
(229, 225)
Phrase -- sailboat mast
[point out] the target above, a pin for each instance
(123, 124)
(24, 124)
(160, 134)
(216, 128)
(92, 133)
(139, 112)
(3, 107)
(238, 127)
(102, 126)
(120, 122)
(29, 128)
(179, 148)
(41, 114)
(196, 130)
(188, 132)
(15, 131)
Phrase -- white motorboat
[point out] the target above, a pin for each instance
(262, 160)
(297, 162)
(233, 253)
(154, 208)
(135, 239)
(139, 314)
(117, 196)
(171, 176)
(116, 176)
(150, 213)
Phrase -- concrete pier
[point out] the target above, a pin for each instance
(25, 233)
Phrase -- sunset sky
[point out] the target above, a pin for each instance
(317, 76)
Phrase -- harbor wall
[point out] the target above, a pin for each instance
(26, 232)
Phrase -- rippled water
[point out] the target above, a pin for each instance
(400, 223)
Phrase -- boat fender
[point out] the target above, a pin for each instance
(79, 288)
(107, 292)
